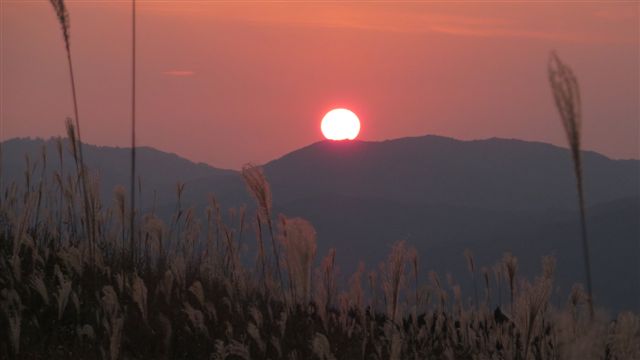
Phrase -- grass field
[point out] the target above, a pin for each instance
(88, 278)
(180, 290)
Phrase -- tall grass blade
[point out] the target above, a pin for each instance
(63, 18)
(133, 132)
(566, 93)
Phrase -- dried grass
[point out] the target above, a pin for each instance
(189, 296)
(566, 93)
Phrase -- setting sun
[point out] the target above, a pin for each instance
(340, 124)
(160, 232)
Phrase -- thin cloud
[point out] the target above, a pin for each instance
(489, 32)
(362, 16)
(531, 34)
(179, 73)
(379, 16)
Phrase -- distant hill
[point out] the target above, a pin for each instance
(441, 195)
(490, 174)
(158, 172)
(365, 230)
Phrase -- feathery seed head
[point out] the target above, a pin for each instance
(63, 18)
(567, 97)
(259, 187)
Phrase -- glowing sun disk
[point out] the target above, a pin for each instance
(340, 124)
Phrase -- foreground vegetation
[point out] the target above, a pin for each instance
(74, 283)
(84, 279)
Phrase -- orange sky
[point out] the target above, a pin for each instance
(228, 82)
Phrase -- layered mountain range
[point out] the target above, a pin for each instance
(439, 194)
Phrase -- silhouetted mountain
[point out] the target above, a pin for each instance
(158, 172)
(365, 229)
(441, 195)
(444, 195)
(490, 174)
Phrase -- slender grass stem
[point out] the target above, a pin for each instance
(566, 94)
(133, 133)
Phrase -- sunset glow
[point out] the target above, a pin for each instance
(200, 214)
(407, 69)
(340, 124)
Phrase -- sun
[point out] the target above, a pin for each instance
(340, 124)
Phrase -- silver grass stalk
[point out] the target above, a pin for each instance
(259, 188)
(261, 254)
(472, 270)
(63, 18)
(393, 278)
(133, 133)
(298, 238)
(566, 94)
(510, 264)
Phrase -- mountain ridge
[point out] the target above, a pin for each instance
(442, 195)
(527, 171)
(40, 140)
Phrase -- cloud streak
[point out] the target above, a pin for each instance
(479, 21)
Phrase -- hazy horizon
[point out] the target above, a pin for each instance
(263, 75)
(278, 156)
(319, 179)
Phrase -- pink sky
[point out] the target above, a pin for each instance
(233, 82)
